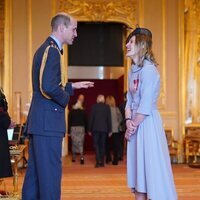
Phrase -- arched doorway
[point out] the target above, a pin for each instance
(108, 80)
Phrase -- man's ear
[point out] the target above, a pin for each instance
(61, 27)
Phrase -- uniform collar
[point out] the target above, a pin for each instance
(57, 42)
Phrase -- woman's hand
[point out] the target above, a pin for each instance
(130, 125)
(131, 129)
(127, 135)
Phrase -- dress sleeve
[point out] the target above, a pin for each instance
(149, 80)
(128, 96)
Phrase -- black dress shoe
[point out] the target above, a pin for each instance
(108, 160)
(82, 161)
(115, 163)
(97, 165)
(101, 164)
(120, 158)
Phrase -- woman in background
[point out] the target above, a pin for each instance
(149, 170)
(116, 118)
(5, 121)
(77, 126)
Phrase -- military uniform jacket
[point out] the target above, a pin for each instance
(47, 116)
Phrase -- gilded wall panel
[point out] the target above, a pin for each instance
(192, 60)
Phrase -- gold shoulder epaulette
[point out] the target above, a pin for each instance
(44, 60)
(63, 71)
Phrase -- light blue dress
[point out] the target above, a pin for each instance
(148, 162)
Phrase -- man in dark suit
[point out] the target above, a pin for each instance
(46, 119)
(100, 126)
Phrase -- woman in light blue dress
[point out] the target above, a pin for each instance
(149, 170)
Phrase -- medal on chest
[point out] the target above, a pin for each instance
(135, 83)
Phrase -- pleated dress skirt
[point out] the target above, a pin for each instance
(148, 162)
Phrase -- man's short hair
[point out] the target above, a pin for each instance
(100, 98)
(58, 20)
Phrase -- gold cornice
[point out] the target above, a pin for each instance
(101, 10)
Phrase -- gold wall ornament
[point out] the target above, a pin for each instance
(192, 71)
(192, 15)
(123, 11)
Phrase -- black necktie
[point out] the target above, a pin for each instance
(61, 51)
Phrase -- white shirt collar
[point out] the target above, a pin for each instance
(57, 41)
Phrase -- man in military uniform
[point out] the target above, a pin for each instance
(46, 119)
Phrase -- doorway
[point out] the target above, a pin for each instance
(106, 87)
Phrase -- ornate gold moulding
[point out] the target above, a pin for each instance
(122, 11)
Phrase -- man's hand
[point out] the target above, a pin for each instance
(109, 134)
(89, 133)
(82, 84)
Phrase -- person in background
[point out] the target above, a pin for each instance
(149, 170)
(99, 127)
(5, 123)
(116, 118)
(123, 128)
(80, 100)
(77, 126)
(46, 118)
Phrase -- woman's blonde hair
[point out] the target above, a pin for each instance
(143, 40)
(110, 100)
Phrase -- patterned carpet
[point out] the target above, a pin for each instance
(81, 182)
